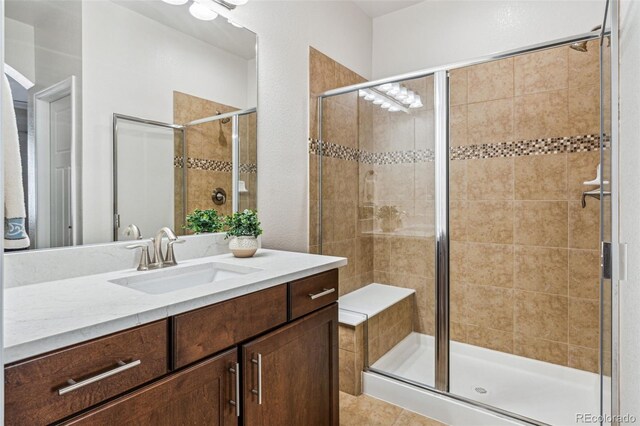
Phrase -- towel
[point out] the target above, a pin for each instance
(15, 235)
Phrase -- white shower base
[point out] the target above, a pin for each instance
(545, 392)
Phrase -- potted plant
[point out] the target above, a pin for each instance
(203, 221)
(389, 217)
(243, 228)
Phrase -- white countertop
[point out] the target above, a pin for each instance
(51, 315)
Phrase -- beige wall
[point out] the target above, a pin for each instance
(524, 253)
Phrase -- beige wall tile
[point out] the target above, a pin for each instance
(489, 221)
(490, 122)
(581, 167)
(347, 338)
(322, 72)
(490, 179)
(584, 322)
(458, 331)
(541, 177)
(584, 110)
(543, 350)
(347, 374)
(584, 67)
(483, 264)
(458, 295)
(541, 71)
(491, 80)
(584, 358)
(541, 269)
(541, 115)
(411, 256)
(497, 340)
(584, 273)
(584, 231)
(458, 86)
(458, 126)
(489, 307)
(541, 223)
(458, 179)
(457, 220)
(540, 315)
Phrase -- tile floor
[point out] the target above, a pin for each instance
(364, 410)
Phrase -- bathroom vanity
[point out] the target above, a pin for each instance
(258, 348)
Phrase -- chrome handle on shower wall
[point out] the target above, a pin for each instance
(594, 193)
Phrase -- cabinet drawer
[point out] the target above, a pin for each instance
(38, 392)
(205, 331)
(311, 293)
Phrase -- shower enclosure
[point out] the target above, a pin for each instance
(184, 167)
(476, 201)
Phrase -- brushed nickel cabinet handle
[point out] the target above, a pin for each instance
(324, 292)
(236, 403)
(259, 390)
(73, 385)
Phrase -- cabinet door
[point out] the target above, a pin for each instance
(204, 394)
(291, 374)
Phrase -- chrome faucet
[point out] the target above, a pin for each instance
(159, 260)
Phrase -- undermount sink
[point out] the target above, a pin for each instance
(182, 277)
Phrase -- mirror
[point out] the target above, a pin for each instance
(126, 112)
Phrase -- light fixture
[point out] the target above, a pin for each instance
(379, 100)
(202, 12)
(176, 2)
(237, 2)
(394, 90)
(362, 93)
(417, 103)
(394, 109)
(385, 87)
(385, 105)
(402, 94)
(369, 97)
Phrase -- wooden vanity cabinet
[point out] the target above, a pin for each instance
(291, 374)
(265, 358)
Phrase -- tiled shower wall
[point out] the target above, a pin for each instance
(341, 234)
(524, 253)
(209, 151)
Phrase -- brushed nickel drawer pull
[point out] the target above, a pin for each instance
(236, 403)
(73, 385)
(259, 390)
(324, 292)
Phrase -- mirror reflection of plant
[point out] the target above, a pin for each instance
(203, 221)
(243, 224)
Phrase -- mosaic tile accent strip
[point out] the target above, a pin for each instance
(567, 144)
(213, 165)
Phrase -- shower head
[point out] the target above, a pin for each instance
(581, 46)
(224, 120)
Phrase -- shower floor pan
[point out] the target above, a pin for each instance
(545, 392)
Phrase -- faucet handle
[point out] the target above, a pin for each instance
(145, 260)
(170, 258)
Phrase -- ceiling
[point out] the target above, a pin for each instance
(376, 8)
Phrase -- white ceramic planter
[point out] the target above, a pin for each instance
(243, 246)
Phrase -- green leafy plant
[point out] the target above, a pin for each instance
(203, 221)
(388, 213)
(243, 224)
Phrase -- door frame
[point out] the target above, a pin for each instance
(42, 121)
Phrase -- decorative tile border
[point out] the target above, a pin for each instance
(568, 144)
(213, 165)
